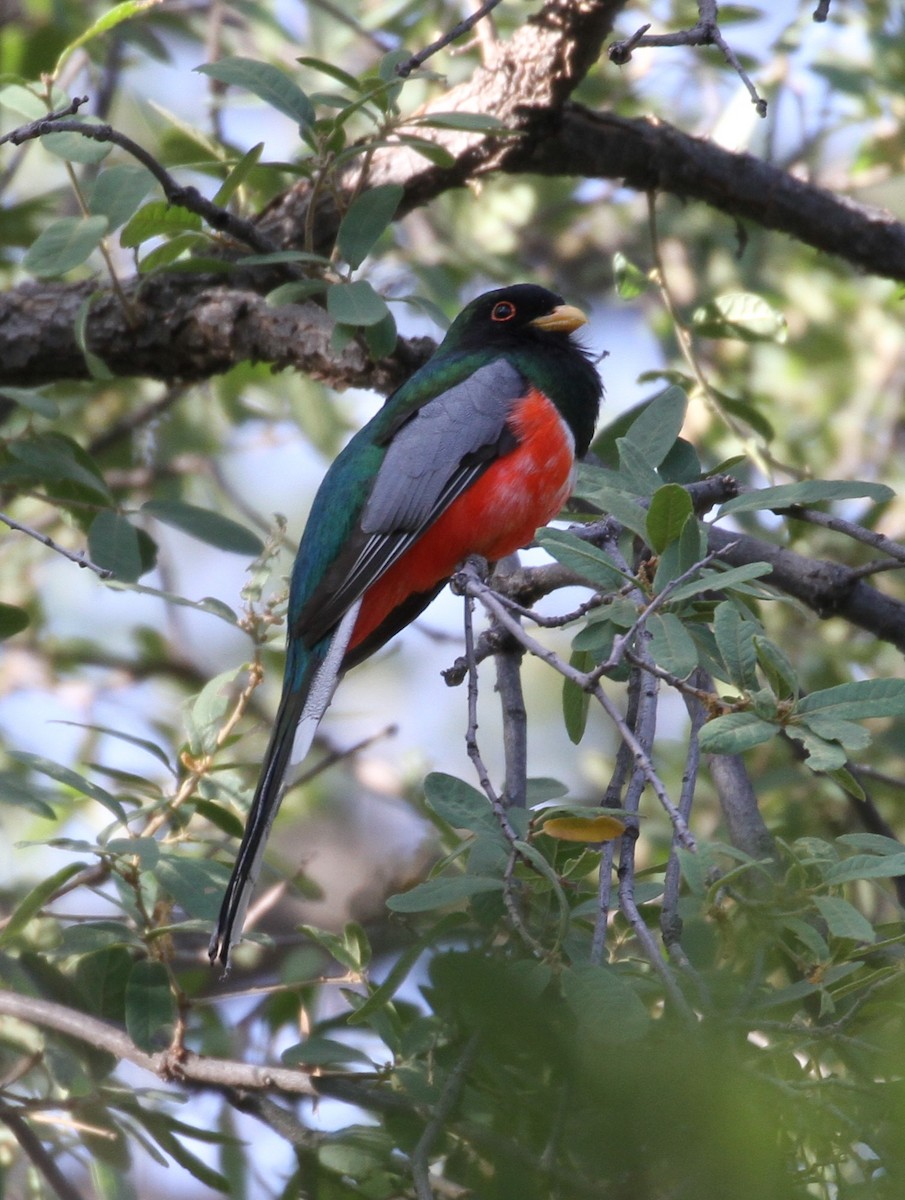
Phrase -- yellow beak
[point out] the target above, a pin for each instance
(563, 319)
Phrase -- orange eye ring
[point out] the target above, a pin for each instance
(503, 311)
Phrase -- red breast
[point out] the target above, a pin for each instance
(497, 515)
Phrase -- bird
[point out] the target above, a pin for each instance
(469, 456)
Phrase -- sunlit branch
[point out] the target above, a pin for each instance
(705, 33)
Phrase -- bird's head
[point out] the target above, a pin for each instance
(521, 315)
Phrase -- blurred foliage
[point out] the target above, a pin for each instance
(495, 1046)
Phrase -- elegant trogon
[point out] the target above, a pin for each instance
(469, 456)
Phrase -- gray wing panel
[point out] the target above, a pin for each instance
(432, 448)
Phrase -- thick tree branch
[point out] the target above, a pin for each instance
(652, 155)
(830, 589)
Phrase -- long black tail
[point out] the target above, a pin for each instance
(309, 683)
(264, 808)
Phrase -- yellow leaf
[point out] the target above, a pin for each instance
(584, 829)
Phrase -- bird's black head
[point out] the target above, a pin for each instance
(522, 314)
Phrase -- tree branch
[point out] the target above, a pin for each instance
(705, 33)
(217, 1073)
(830, 589)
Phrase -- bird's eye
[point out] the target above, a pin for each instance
(504, 311)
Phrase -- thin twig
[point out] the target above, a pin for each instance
(705, 33)
(604, 891)
(186, 197)
(44, 1163)
(499, 808)
(78, 557)
(623, 640)
(670, 921)
(644, 729)
(858, 533)
(404, 69)
(449, 1095)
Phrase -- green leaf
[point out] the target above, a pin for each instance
(809, 936)
(442, 892)
(741, 315)
(150, 1006)
(580, 556)
(102, 976)
(113, 545)
(576, 701)
(196, 886)
(681, 464)
(109, 20)
(432, 151)
(330, 69)
(719, 580)
(635, 470)
(402, 967)
(735, 641)
(458, 803)
(866, 866)
(12, 620)
(266, 81)
(682, 555)
(295, 291)
(209, 709)
(630, 280)
(33, 399)
(735, 732)
(35, 900)
(670, 508)
(657, 426)
(158, 218)
(469, 122)
(671, 645)
(381, 338)
(205, 525)
(118, 191)
(22, 100)
(427, 307)
(822, 755)
(238, 175)
(71, 779)
(857, 701)
(368, 216)
(64, 244)
(605, 1009)
(843, 920)
(811, 491)
(777, 668)
(174, 255)
(620, 505)
(55, 458)
(97, 368)
(835, 729)
(355, 303)
(161, 1126)
(875, 843)
(321, 1052)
